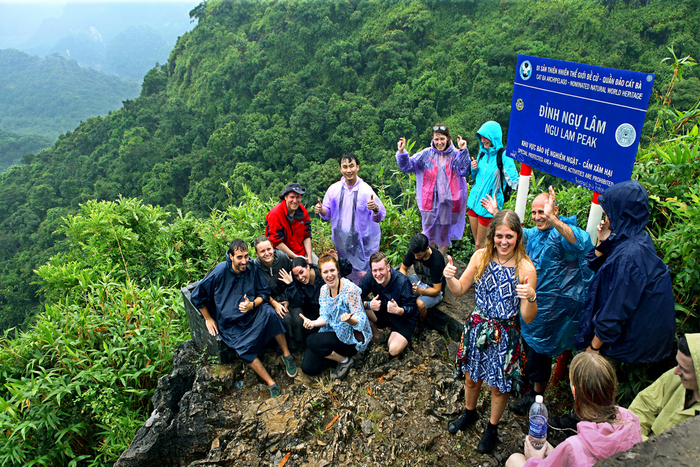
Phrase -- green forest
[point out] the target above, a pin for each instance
(13, 147)
(99, 231)
(50, 96)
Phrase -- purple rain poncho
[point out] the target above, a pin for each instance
(441, 190)
(356, 232)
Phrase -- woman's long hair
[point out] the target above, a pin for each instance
(511, 220)
(595, 385)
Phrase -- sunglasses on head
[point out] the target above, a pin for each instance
(440, 128)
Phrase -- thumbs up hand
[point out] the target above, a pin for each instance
(372, 204)
(525, 291)
(319, 209)
(246, 305)
(461, 142)
(393, 308)
(475, 164)
(308, 324)
(450, 269)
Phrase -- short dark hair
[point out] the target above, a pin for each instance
(377, 257)
(350, 156)
(259, 240)
(237, 244)
(418, 244)
(299, 261)
(683, 346)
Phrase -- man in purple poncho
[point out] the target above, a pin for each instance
(441, 190)
(355, 212)
(245, 325)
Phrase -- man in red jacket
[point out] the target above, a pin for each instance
(288, 225)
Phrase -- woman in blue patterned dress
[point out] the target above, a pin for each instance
(345, 329)
(505, 282)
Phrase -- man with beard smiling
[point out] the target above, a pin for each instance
(245, 325)
(393, 304)
(355, 212)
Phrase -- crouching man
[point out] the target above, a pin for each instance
(233, 300)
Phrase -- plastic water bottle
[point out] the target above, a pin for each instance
(538, 423)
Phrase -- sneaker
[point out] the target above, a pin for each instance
(341, 371)
(290, 366)
(467, 419)
(522, 407)
(488, 439)
(566, 424)
(274, 390)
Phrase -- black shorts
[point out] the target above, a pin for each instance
(402, 324)
(539, 366)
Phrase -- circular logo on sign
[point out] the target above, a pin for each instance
(519, 104)
(525, 70)
(649, 78)
(625, 135)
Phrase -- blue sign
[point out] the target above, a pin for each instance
(578, 122)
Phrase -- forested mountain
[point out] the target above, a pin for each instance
(262, 93)
(50, 96)
(13, 147)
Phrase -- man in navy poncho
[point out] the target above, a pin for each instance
(245, 325)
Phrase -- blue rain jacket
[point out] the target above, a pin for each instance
(563, 278)
(487, 177)
(630, 301)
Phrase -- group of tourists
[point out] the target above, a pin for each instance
(539, 292)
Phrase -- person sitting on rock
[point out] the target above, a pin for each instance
(393, 304)
(674, 397)
(288, 225)
(428, 281)
(245, 325)
(604, 430)
(270, 262)
(345, 329)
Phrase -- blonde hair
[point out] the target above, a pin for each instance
(595, 383)
(511, 220)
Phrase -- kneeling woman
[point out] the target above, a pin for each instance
(605, 429)
(505, 281)
(345, 329)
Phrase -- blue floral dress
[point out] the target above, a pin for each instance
(348, 300)
(491, 347)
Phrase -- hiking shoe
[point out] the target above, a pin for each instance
(566, 424)
(488, 439)
(290, 366)
(341, 371)
(274, 390)
(522, 407)
(467, 419)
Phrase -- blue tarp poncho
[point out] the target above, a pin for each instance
(563, 277)
(222, 291)
(630, 301)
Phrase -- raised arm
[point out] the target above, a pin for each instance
(527, 284)
(460, 286)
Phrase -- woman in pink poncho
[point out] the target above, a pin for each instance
(441, 190)
(605, 429)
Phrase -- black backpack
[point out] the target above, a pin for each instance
(505, 188)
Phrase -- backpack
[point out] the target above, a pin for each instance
(505, 188)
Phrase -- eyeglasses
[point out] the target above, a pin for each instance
(440, 128)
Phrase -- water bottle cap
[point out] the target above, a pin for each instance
(539, 399)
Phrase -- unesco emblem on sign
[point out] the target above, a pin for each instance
(519, 104)
(525, 70)
(625, 135)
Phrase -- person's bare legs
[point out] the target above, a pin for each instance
(282, 342)
(471, 391)
(397, 343)
(540, 387)
(516, 460)
(422, 312)
(443, 250)
(336, 357)
(479, 232)
(499, 402)
(260, 370)
(377, 335)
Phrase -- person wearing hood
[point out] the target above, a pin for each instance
(224, 299)
(674, 397)
(355, 212)
(441, 189)
(488, 180)
(604, 430)
(631, 290)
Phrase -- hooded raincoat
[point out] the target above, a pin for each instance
(563, 277)
(356, 232)
(662, 405)
(222, 291)
(594, 442)
(631, 293)
(441, 190)
(487, 177)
